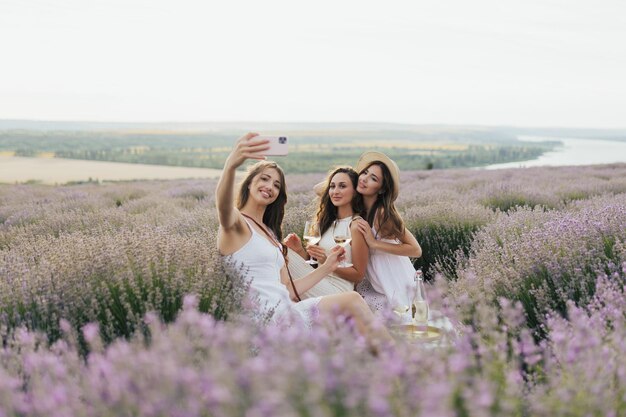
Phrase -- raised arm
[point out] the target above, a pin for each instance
(233, 232)
(245, 147)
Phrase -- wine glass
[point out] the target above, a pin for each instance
(342, 237)
(399, 304)
(311, 236)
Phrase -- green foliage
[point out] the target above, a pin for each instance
(309, 152)
(443, 242)
(508, 201)
(318, 161)
(445, 233)
(546, 259)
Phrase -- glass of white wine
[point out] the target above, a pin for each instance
(342, 237)
(311, 236)
(399, 304)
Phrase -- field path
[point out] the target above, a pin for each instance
(60, 171)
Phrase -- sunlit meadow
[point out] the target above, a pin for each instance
(113, 301)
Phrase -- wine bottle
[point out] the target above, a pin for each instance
(420, 302)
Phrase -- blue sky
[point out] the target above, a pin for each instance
(524, 63)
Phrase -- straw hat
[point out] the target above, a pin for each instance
(364, 161)
(368, 157)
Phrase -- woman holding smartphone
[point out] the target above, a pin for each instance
(340, 205)
(249, 237)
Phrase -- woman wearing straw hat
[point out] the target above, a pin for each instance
(389, 274)
(248, 239)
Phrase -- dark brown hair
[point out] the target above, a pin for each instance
(327, 211)
(389, 219)
(274, 212)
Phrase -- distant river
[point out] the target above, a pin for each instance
(572, 152)
(60, 171)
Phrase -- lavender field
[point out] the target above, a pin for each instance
(104, 291)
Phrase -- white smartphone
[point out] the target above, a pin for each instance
(279, 145)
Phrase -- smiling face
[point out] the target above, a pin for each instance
(266, 186)
(341, 190)
(370, 180)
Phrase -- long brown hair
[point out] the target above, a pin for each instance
(389, 219)
(274, 212)
(327, 211)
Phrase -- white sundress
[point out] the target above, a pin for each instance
(262, 262)
(331, 284)
(387, 276)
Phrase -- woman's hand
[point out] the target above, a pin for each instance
(292, 241)
(335, 256)
(315, 276)
(366, 231)
(317, 253)
(246, 147)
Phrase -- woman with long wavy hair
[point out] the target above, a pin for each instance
(340, 205)
(249, 238)
(390, 273)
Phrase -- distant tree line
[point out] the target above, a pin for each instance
(209, 150)
(302, 162)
